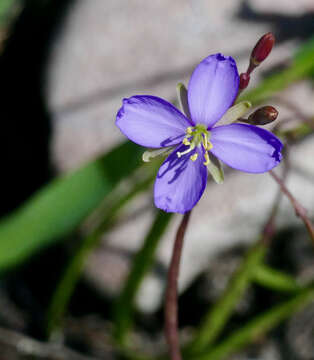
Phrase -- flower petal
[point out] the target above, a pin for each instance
(245, 147)
(180, 182)
(151, 121)
(212, 89)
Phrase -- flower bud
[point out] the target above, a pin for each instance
(244, 81)
(262, 49)
(263, 116)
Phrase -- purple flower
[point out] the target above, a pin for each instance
(155, 123)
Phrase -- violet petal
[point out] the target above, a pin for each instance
(151, 121)
(246, 147)
(212, 89)
(180, 182)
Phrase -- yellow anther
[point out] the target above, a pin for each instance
(209, 145)
(196, 136)
(207, 161)
(205, 142)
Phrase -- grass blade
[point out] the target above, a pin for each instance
(58, 208)
(72, 273)
(274, 279)
(259, 326)
(217, 317)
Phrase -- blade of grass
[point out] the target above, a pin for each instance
(124, 306)
(72, 273)
(258, 326)
(274, 279)
(217, 317)
(6, 8)
(59, 207)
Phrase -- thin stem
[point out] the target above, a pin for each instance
(269, 227)
(299, 209)
(171, 306)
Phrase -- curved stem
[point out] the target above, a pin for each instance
(299, 209)
(171, 305)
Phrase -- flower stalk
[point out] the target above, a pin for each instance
(298, 208)
(171, 303)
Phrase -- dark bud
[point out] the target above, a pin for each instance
(262, 116)
(262, 49)
(244, 81)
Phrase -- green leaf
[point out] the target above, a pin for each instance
(142, 263)
(72, 273)
(258, 327)
(274, 279)
(58, 208)
(218, 316)
(7, 10)
(5, 5)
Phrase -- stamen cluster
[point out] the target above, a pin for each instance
(197, 136)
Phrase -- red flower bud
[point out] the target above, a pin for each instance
(244, 81)
(262, 49)
(263, 116)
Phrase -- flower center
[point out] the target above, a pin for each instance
(197, 136)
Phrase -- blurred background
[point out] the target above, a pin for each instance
(83, 251)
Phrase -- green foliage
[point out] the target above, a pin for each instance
(72, 273)
(216, 318)
(274, 279)
(58, 208)
(259, 326)
(6, 9)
